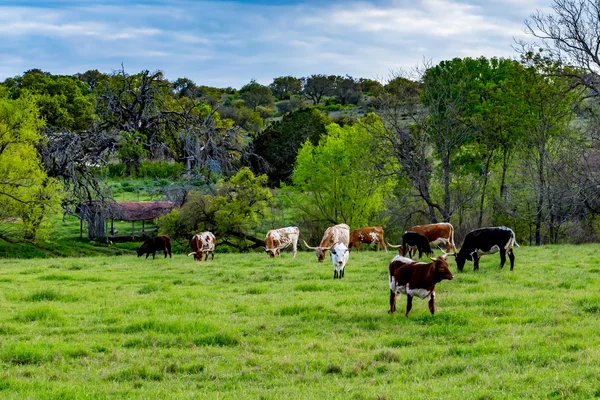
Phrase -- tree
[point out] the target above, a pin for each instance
(347, 90)
(315, 87)
(231, 211)
(285, 86)
(370, 87)
(279, 143)
(254, 94)
(26, 191)
(342, 179)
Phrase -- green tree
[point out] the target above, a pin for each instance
(343, 178)
(315, 87)
(254, 94)
(25, 189)
(285, 86)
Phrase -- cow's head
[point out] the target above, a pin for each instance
(319, 250)
(272, 252)
(339, 255)
(442, 270)
(140, 250)
(461, 258)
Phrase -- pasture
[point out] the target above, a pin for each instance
(245, 326)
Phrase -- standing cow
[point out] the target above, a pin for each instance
(151, 245)
(333, 235)
(278, 239)
(487, 241)
(372, 234)
(413, 241)
(416, 279)
(339, 258)
(202, 243)
(437, 234)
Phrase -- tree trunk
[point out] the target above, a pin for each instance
(485, 182)
(540, 201)
(446, 172)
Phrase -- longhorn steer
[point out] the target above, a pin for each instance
(151, 245)
(202, 243)
(339, 258)
(487, 241)
(372, 234)
(278, 239)
(333, 235)
(416, 279)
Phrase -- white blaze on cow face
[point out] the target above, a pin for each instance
(339, 258)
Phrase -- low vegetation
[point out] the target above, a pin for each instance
(245, 326)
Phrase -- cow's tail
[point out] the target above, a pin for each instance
(512, 241)
(452, 238)
(392, 283)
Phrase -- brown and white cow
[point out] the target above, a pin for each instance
(416, 279)
(278, 239)
(334, 234)
(203, 243)
(437, 234)
(372, 234)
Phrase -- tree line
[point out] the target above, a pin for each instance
(473, 141)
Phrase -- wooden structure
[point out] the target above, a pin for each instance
(97, 215)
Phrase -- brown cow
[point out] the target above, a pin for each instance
(153, 244)
(372, 234)
(416, 279)
(203, 243)
(278, 239)
(437, 234)
(333, 235)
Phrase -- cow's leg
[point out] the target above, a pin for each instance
(448, 246)
(475, 262)
(335, 274)
(213, 256)
(147, 254)
(206, 258)
(420, 254)
(392, 302)
(432, 303)
(165, 252)
(408, 303)
(342, 273)
(502, 259)
(511, 256)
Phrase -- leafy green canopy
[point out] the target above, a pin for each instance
(343, 179)
(25, 189)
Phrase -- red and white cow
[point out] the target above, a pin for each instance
(203, 243)
(416, 279)
(372, 234)
(333, 235)
(278, 239)
(436, 234)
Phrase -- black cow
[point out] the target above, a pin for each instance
(151, 245)
(414, 240)
(487, 241)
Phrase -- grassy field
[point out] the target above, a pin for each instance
(246, 327)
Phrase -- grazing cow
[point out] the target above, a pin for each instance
(416, 279)
(334, 234)
(487, 241)
(413, 241)
(437, 234)
(203, 243)
(373, 234)
(278, 239)
(339, 258)
(153, 244)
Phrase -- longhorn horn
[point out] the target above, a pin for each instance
(395, 247)
(192, 253)
(312, 248)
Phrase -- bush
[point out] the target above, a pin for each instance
(147, 169)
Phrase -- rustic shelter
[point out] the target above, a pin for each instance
(97, 214)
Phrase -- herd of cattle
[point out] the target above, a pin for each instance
(406, 276)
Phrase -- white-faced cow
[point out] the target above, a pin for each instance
(437, 234)
(202, 243)
(372, 234)
(278, 239)
(413, 241)
(333, 235)
(339, 258)
(487, 241)
(416, 279)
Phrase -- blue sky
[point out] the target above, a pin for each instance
(228, 43)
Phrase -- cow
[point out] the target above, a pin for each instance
(151, 245)
(339, 257)
(416, 279)
(437, 234)
(487, 241)
(278, 239)
(373, 234)
(333, 235)
(413, 241)
(202, 243)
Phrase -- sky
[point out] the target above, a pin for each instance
(229, 43)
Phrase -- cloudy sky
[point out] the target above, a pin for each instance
(228, 43)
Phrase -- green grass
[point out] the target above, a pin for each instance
(245, 326)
